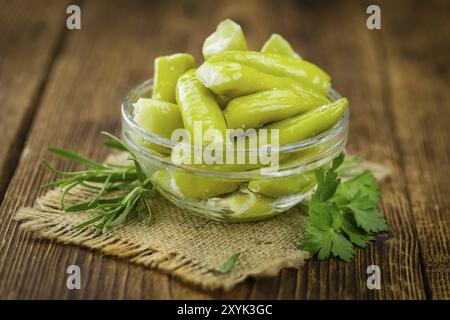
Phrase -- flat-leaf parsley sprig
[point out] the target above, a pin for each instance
(342, 214)
(128, 183)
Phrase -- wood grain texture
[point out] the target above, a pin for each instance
(114, 51)
(418, 80)
(31, 34)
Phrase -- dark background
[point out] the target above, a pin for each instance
(61, 87)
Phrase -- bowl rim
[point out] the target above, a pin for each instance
(128, 123)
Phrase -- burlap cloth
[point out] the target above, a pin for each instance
(179, 243)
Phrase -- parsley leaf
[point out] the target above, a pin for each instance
(342, 214)
(366, 214)
(323, 225)
(342, 248)
(357, 235)
(327, 182)
(364, 183)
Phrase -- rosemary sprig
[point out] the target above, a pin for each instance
(229, 264)
(128, 183)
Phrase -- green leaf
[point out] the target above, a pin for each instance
(89, 222)
(327, 182)
(56, 183)
(89, 205)
(118, 176)
(113, 142)
(229, 264)
(312, 243)
(325, 243)
(149, 210)
(62, 173)
(366, 214)
(139, 171)
(65, 190)
(102, 190)
(364, 183)
(341, 247)
(129, 204)
(107, 222)
(337, 162)
(319, 214)
(75, 157)
(356, 234)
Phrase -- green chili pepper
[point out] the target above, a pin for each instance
(222, 100)
(271, 89)
(197, 104)
(162, 179)
(228, 36)
(280, 187)
(259, 108)
(245, 205)
(278, 65)
(178, 157)
(167, 71)
(157, 117)
(194, 186)
(235, 80)
(309, 124)
(279, 45)
(303, 156)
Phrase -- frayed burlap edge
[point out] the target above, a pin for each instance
(42, 222)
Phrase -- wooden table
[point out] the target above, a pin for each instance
(60, 87)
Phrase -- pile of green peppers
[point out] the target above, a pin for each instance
(273, 88)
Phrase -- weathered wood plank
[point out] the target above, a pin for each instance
(31, 35)
(416, 51)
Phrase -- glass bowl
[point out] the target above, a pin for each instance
(232, 196)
